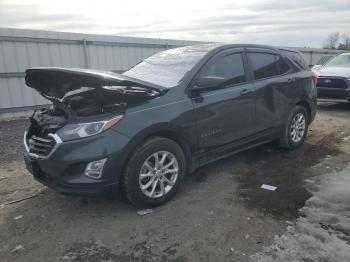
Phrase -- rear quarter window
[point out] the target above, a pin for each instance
(283, 67)
(296, 58)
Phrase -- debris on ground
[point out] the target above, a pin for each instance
(346, 138)
(18, 217)
(18, 248)
(144, 212)
(268, 187)
(21, 199)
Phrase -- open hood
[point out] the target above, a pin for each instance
(57, 82)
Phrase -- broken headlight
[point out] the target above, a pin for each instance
(74, 131)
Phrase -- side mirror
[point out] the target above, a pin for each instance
(208, 82)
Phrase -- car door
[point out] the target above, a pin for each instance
(226, 114)
(270, 74)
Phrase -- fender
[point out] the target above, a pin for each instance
(167, 130)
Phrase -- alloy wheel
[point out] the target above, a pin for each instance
(297, 128)
(158, 174)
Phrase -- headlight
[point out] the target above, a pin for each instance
(74, 131)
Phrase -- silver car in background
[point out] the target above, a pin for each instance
(333, 80)
(322, 61)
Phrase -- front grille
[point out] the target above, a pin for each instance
(332, 82)
(40, 146)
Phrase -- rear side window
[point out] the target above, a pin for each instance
(282, 65)
(229, 67)
(296, 58)
(264, 65)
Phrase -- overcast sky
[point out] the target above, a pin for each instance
(277, 22)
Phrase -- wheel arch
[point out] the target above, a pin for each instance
(307, 106)
(176, 137)
(162, 130)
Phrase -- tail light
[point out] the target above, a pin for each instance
(314, 77)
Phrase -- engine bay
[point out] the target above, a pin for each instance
(79, 105)
(79, 93)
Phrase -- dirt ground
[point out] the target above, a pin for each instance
(220, 214)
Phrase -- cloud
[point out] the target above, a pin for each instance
(313, 6)
(301, 23)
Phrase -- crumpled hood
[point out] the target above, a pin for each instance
(56, 82)
(334, 71)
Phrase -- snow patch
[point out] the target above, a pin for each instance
(322, 232)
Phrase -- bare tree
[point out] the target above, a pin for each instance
(332, 41)
(344, 43)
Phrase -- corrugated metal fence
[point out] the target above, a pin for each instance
(21, 49)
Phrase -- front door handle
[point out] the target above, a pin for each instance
(245, 92)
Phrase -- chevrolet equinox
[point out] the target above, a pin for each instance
(140, 132)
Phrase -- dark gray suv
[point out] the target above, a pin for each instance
(140, 132)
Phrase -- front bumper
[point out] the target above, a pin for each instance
(64, 169)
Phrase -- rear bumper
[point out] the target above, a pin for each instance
(333, 93)
(64, 170)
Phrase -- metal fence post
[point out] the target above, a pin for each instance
(86, 53)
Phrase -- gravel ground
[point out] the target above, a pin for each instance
(11, 134)
(220, 214)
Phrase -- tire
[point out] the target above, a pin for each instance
(132, 182)
(289, 140)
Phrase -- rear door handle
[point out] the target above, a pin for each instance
(245, 92)
(291, 80)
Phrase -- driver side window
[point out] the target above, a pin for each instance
(230, 67)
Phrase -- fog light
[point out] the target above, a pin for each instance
(94, 168)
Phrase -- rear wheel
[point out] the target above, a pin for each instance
(154, 172)
(295, 129)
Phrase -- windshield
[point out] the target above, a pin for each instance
(167, 68)
(340, 61)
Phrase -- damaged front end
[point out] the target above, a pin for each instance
(84, 103)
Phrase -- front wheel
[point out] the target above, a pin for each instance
(295, 129)
(154, 172)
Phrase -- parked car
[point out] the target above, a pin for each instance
(333, 80)
(140, 132)
(322, 61)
